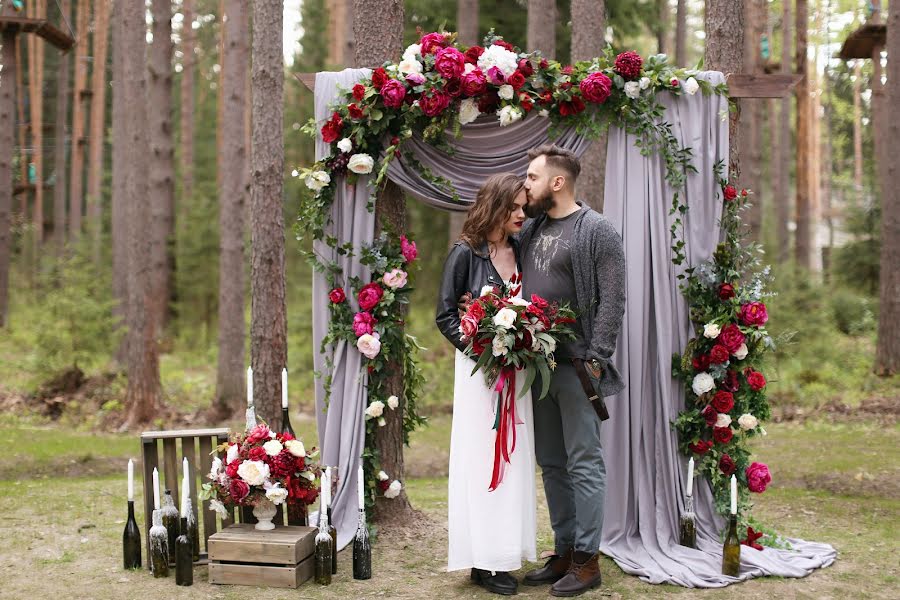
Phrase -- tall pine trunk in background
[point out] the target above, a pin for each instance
(751, 118)
(161, 160)
(681, 33)
(781, 149)
(662, 26)
(119, 210)
(467, 28)
(887, 351)
(8, 81)
(60, 133)
(724, 26)
(97, 128)
(588, 25)
(142, 396)
(268, 320)
(37, 9)
(188, 69)
(803, 207)
(542, 27)
(232, 207)
(79, 102)
(378, 28)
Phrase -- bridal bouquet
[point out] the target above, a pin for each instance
(261, 465)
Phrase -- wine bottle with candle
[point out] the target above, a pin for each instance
(187, 510)
(731, 549)
(285, 417)
(184, 559)
(332, 531)
(324, 548)
(170, 522)
(688, 520)
(131, 537)
(362, 548)
(159, 546)
(250, 422)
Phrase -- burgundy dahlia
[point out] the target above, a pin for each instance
(628, 64)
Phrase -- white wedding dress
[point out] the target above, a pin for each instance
(488, 530)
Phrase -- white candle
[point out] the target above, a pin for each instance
(690, 482)
(283, 388)
(249, 386)
(130, 480)
(359, 485)
(733, 495)
(326, 488)
(185, 487)
(155, 489)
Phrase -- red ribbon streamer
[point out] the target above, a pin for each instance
(505, 441)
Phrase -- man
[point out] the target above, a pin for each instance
(572, 254)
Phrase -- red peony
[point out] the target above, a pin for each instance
(337, 295)
(408, 249)
(572, 107)
(488, 102)
(517, 80)
(755, 379)
(701, 447)
(709, 414)
(331, 131)
(238, 490)
(449, 62)
(363, 323)
(504, 44)
(260, 433)
(526, 68)
(231, 469)
(722, 435)
(453, 88)
(719, 354)
(731, 337)
(730, 192)
(359, 91)
(596, 88)
(434, 103)
(731, 382)
(726, 465)
(628, 64)
(754, 313)
(476, 310)
(473, 83)
(432, 42)
(539, 302)
(355, 111)
(526, 102)
(700, 362)
(723, 401)
(379, 78)
(758, 477)
(473, 53)
(726, 291)
(393, 93)
(257, 453)
(282, 464)
(369, 296)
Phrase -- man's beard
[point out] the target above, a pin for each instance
(538, 205)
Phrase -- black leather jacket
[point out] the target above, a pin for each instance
(465, 270)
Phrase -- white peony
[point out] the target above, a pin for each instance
(375, 409)
(505, 318)
(296, 448)
(747, 421)
(711, 331)
(509, 115)
(723, 420)
(393, 402)
(498, 348)
(232, 453)
(632, 89)
(382, 476)
(361, 164)
(691, 86)
(254, 472)
(741, 353)
(644, 83)
(345, 145)
(500, 57)
(217, 506)
(277, 495)
(409, 65)
(273, 447)
(369, 345)
(703, 382)
(393, 490)
(317, 180)
(544, 113)
(395, 278)
(486, 289)
(216, 467)
(468, 111)
(412, 51)
(506, 92)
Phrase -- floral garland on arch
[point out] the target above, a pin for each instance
(726, 390)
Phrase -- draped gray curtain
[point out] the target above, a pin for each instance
(644, 469)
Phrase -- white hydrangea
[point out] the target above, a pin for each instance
(216, 467)
(317, 180)
(468, 111)
(361, 164)
(509, 115)
(691, 86)
(703, 382)
(747, 421)
(500, 57)
(232, 453)
(632, 89)
(711, 331)
(506, 92)
(217, 506)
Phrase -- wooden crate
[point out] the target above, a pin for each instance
(282, 557)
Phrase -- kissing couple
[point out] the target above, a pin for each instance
(567, 253)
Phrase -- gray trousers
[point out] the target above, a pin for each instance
(567, 445)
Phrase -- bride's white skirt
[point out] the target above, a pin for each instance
(495, 530)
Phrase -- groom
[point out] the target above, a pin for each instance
(572, 254)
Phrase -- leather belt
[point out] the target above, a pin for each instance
(591, 393)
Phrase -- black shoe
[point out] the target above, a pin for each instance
(500, 582)
(553, 570)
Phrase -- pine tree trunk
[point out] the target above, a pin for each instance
(143, 393)
(724, 26)
(268, 320)
(681, 34)
(232, 207)
(662, 25)
(751, 121)
(97, 129)
(588, 25)
(38, 9)
(220, 95)
(887, 351)
(857, 131)
(162, 166)
(7, 139)
(802, 235)
(60, 133)
(378, 29)
(79, 104)
(23, 124)
(542, 27)
(119, 210)
(188, 68)
(781, 150)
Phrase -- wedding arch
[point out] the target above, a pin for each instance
(440, 122)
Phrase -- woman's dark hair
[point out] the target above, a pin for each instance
(493, 204)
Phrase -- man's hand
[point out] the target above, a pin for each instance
(464, 301)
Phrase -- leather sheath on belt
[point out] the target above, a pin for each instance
(595, 400)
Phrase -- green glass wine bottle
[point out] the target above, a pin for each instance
(332, 531)
(184, 556)
(159, 546)
(731, 550)
(688, 524)
(131, 540)
(192, 528)
(324, 551)
(170, 522)
(362, 549)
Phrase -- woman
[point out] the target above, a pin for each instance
(490, 531)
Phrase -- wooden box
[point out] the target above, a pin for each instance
(282, 557)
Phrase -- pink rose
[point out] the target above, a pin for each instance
(473, 83)
(393, 92)
(449, 62)
(408, 248)
(415, 78)
(754, 313)
(260, 433)
(395, 278)
(369, 344)
(369, 296)
(731, 337)
(596, 87)
(434, 103)
(363, 323)
(758, 477)
(238, 490)
(469, 326)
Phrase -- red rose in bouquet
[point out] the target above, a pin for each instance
(700, 362)
(359, 92)
(393, 93)
(453, 88)
(504, 44)
(473, 53)
(701, 447)
(449, 62)
(726, 465)
(526, 68)
(379, 78)
(476, 310)
(473, 83)
(596, 88)
(257, 453)
(332, 129)
(231, 469)
(719, 354)
(238, 490)
(755, 379)
(726, 291)
(730, 192)
(337, 295)
(731, 337)
(488, 101)
(517, 80)
(722, 435)
(468, 326)
(369, 296)
(432, 42)
(723, 401)
(526, 102)
(434, 103)
(754, 313)
(355, 111)
(572, 107)
(709, 414)
(758, 477)
(628, 64)
(731, 382)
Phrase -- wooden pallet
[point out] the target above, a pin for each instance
(282, 557)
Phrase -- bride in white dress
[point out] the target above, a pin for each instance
(490, 532)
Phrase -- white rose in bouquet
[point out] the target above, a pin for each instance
(216, 467)
(468, 111)
(345, 145)
(369, 345)
(505, 318)
(375, 409)
(711, 331)
(277, 495)
(254, 472)
(296, 448)
(361, 164)
(485, 290)
(644, 83)
(317, 180)
(703, 382)
(273, 447)
(506, 92)
(382, 476)
(741, 353)
(409, 65)
(747, 421)
(723, 420)
(516, 301)
(691, 86)
(632, 89)
(411, 51)
(509, 115)
(232, 453)
(498, 347)
(393, 490)
(393, 402)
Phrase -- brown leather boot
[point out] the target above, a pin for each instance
(580, 578)
(552, 571)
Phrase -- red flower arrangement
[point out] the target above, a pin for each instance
(628, 64)
(337, 295)
(370, 295)
(596, 88)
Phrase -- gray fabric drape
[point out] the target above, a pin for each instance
(645, 471)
